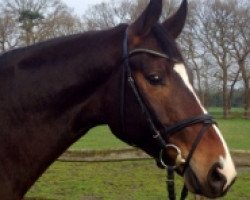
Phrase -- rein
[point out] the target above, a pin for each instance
(205, 119)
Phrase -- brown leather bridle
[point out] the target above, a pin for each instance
(205, 119)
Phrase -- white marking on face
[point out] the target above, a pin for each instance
(228, 169)
(181, 70)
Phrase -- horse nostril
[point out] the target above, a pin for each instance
(216, 180)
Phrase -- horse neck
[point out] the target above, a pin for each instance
(52, 103)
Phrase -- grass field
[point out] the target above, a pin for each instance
(129, 180)
(218, 112)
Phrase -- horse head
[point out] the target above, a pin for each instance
(156, 107)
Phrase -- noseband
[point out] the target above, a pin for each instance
(205, 119)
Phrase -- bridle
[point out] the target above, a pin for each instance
(206, 120)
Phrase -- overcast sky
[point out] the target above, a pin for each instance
(80, 6)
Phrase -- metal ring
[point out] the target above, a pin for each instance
(161, 155)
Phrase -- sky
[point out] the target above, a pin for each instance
(80, 6)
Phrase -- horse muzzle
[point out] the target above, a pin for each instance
(212, 187)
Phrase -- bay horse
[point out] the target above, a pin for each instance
(131, 77)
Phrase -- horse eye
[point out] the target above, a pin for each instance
(154, 79)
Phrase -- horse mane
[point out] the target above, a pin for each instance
(59, 49)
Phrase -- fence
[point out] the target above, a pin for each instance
(241, 158)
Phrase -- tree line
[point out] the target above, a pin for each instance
(215, 41)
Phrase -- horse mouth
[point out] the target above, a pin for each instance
(192, 182)
(195, 186)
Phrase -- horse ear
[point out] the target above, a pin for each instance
(176, 22)
(142, 26)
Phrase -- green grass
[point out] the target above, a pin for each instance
(236, 132)
(99, 138)
(136, 180)
(218, 112)
(236, 129)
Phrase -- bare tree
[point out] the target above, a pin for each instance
(215, 36)
(240, 47)
(41, 19)
(192, 49)
(28, 15)
(8, 32)
(216, 43)
(109, 14)
(61, 21)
